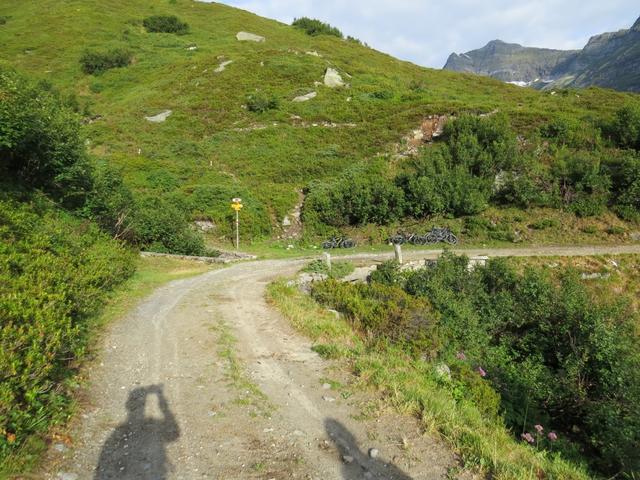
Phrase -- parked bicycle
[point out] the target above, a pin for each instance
(436, 235)
(412, 238)
(338, 242)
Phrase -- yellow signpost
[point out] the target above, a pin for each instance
(236, 204)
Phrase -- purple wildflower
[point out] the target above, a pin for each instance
(482, 372)
(461, 356)
(539, 428)
(527, 437)
(552, 436)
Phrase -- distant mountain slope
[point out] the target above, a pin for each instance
(509, 62)
(610, 60)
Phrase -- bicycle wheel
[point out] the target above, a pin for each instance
(431, 238)
(397, 239)
(327, 245)
(421, 240)
(348, 243)
(451, 239)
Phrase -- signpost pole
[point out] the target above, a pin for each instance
(237, 230)
(237, 206)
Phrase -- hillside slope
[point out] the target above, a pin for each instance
(212, 148)
(610, 60)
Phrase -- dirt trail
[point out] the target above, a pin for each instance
(204, 380)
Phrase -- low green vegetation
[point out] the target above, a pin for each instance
(165, 24)
(530, 350)
(413, 386)
(339, 269)
(97, 62)
(316, 27)
(216, 145)
(481, 163)
(55, 274)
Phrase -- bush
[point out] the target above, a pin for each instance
(165, 24)
(624, 130)
(160, 225)
(55, 273)
(558, 355)
(40, 142)
(383, 313)
(97, 62)
(111, 204)
(260, 103)
(316, 27)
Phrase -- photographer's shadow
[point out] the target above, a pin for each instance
(137, 448)
(358, 465)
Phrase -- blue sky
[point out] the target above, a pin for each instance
(427, 31)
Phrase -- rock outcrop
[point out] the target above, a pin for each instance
(159, 118)
(305, 98)
(333, 79)
(250, 37)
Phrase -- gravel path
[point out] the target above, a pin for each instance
(204, 380)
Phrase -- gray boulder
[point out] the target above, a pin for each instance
(250, 37)
(333, 79)
(305, 98)
(159, 118)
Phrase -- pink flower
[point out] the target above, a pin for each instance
(539, 428)
(552, 436)
(482, 372)
(461, 356)
(527, 437)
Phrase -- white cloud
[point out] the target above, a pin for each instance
(427, 31)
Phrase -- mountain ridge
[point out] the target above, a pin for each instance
(610, 60)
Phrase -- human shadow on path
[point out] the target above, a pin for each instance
(356, 464)
(137, 448)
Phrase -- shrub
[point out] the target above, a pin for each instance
(97, 62)
(165, 24)
(260, 103)
(111, 204)
(55, 273)
(545, 223)
(316, 27)
(558, 355)
(160, 225)
(624, 130)
(40, 141)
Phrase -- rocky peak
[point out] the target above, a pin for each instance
(636, 26)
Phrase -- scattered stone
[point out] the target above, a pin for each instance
(286, 221)
(347, 459)
(374, 453)
(334, 312)
(328, 399)
(595, 276)
(205, 225)
(67, 476)
(368, 475)
(443, 371)
(192, 47)
(249, 37)
(326, 386)
(223, 66)
(159, 118)
(313, 53)
(635, 236)
(333, 79)
(60, 447)
(305, 98)
(479, 261)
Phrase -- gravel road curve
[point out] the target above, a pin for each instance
(203, 380)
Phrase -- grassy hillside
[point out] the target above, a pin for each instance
(212, 147)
